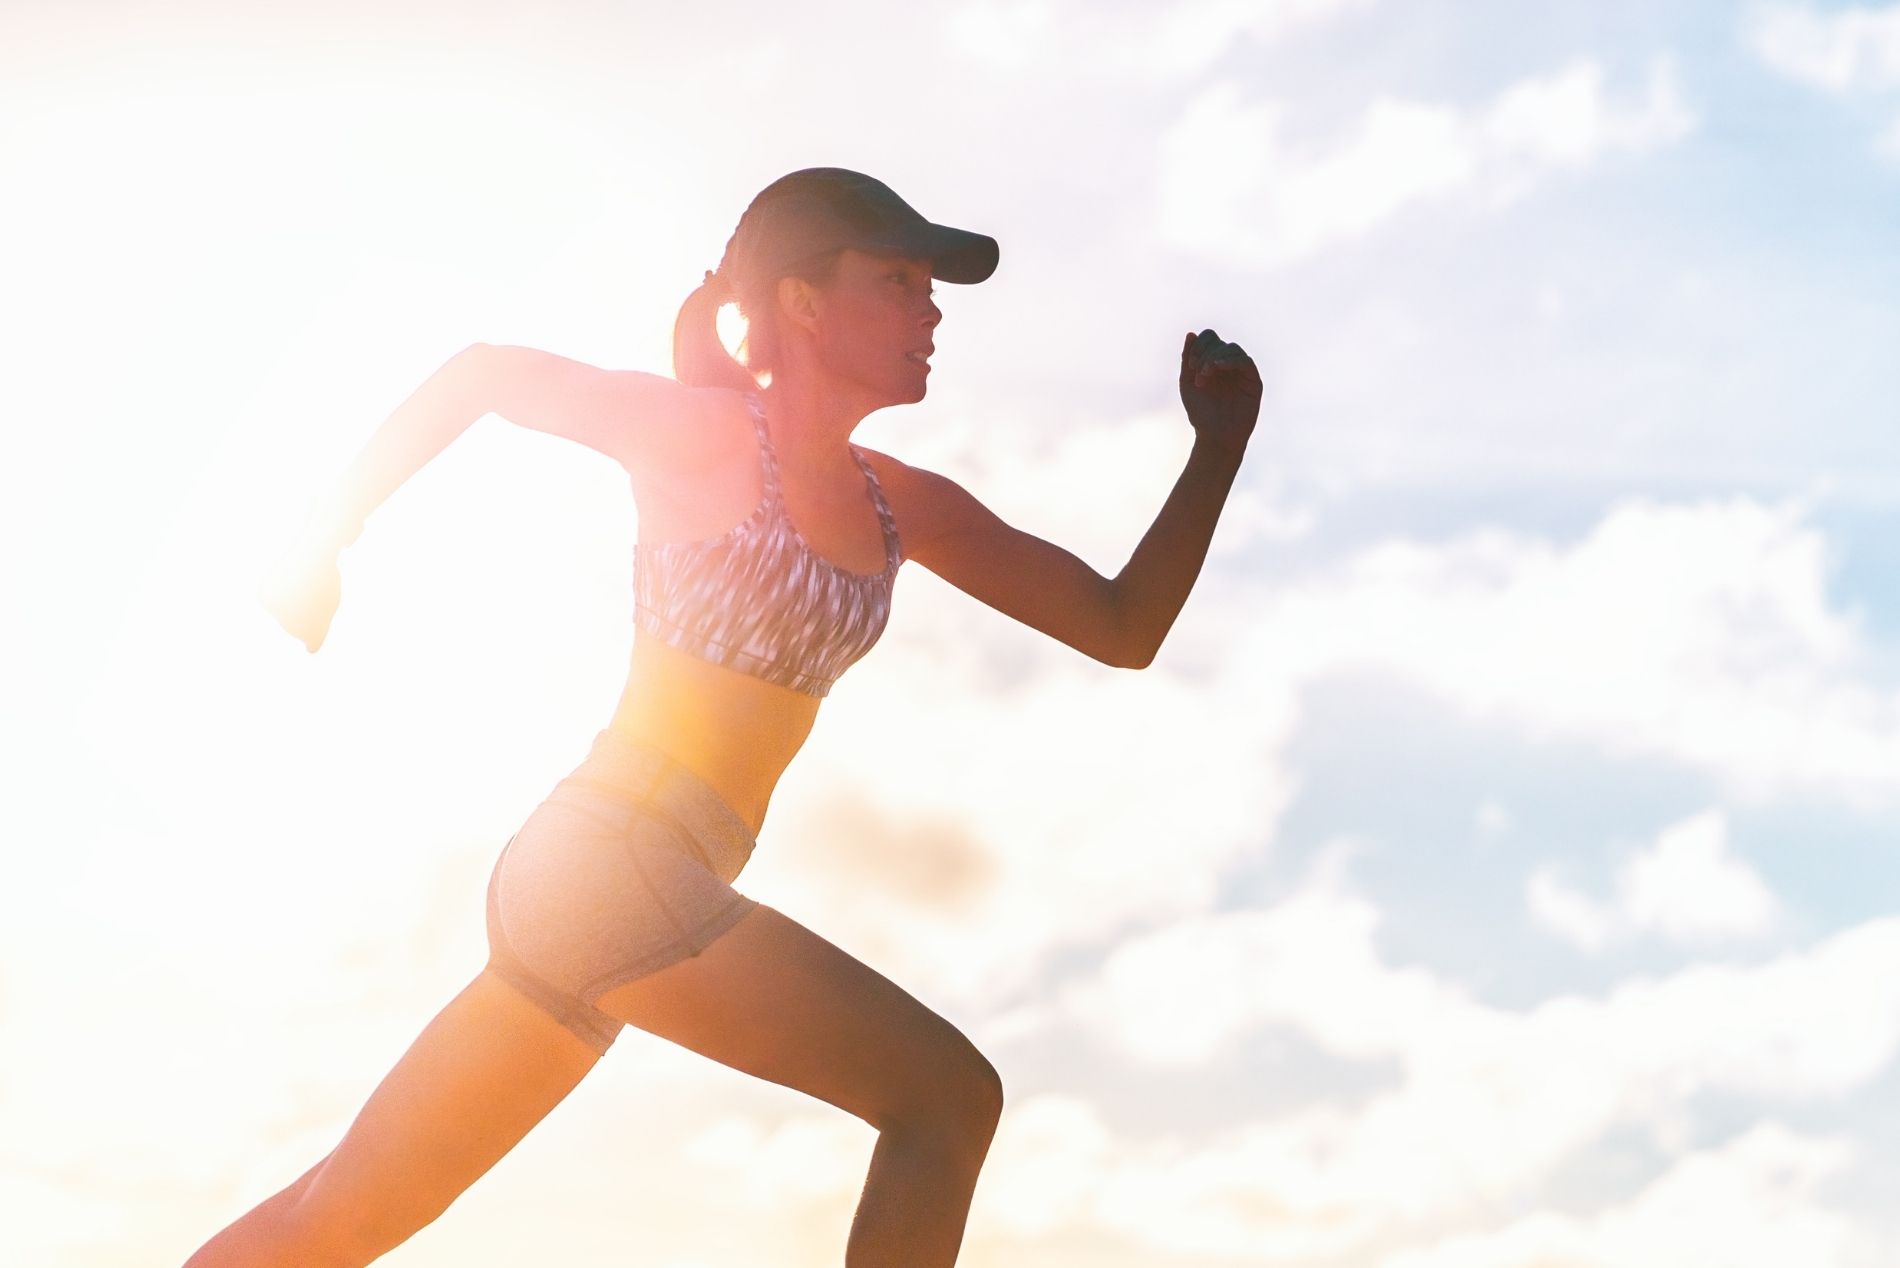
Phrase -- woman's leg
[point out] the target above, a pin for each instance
(769, 998)
(775, 1000)
(485, 1070)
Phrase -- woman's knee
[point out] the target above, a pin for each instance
(956, 1092)
(986, 1099)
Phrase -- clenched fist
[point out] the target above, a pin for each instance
(1220, 387)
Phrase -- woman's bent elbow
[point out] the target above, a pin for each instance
(1127, 655)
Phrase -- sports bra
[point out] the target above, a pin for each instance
(758, 599)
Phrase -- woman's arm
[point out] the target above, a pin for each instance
(637, 419)
(1120, 620)
(643, 421)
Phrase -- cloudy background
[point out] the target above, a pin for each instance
(1497, 869)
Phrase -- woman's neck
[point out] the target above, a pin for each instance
(811, 421)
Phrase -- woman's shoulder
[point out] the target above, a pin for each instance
(899, 481)
(923, 502)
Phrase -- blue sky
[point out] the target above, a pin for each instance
(1497, 869)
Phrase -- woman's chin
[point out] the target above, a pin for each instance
(909, 393)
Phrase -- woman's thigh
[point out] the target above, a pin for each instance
(777, 1001)
(484, 1071)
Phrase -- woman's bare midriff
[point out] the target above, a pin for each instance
(735, 732)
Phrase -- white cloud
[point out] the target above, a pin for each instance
(1045, 1166)
(1700, 633)
(1689, 888)
(1686, 887)
(1487, 1101)
(1850, 51)
(1576, 918)
(1566, 121)
(1751, 1203)
(1113, 798)
(1234, 187)
(1310, 962)
(1182, 994)
(1055, 1167)
(1228, 190)
(788, 1164)
(1839, 51)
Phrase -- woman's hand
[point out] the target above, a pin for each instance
(303, 593)
(1220, 386)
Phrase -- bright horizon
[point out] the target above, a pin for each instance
(1498, 868)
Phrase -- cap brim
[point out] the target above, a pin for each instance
(955, 255)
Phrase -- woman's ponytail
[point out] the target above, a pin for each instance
(700, 358)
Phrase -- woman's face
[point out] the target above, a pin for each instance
(876, 323)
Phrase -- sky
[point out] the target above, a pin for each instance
(1497, 868)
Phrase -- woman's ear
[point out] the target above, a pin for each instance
(798, 302)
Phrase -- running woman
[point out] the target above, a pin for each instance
(768, 544)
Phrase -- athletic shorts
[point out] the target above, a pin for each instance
(626, 868)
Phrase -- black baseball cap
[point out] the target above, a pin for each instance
(823, 209)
